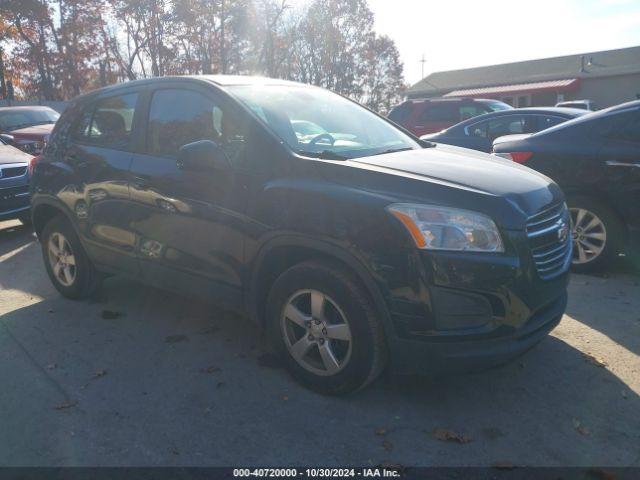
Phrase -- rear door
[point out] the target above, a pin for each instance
(188, 224)
(99, 154)
(621, 155)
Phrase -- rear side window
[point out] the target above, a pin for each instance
(440, 112)
(546, 121)
(508, 125)
(107, 123)
(401, 112)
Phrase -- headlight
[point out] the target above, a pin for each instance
(443, 228)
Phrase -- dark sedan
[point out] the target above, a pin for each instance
(478, 133)
(596, 161)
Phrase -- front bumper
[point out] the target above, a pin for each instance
(14, 199)
(464, 311)
(470, 354)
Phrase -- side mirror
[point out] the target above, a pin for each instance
(202, 156)
(8, 139)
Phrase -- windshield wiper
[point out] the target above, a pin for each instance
(393, 150)
(324, 155)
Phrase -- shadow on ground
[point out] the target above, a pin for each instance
(161, 379)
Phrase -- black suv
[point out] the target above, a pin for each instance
(349, 240)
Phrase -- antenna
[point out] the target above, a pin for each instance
(423, 61)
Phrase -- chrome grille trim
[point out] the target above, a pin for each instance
(551, 253)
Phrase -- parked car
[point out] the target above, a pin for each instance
(434, 114)
(478, 133)
(596, 161)
(14, 183)
(29, 127)
(382, 248)
(581, 104)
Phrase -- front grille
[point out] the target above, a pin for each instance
(549, 235)
(10, 172)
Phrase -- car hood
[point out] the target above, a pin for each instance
(474, 172)
(9, 154)
(34, 132)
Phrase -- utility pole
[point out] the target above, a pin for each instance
(423, 61)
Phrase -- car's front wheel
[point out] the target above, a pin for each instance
(67, 264)
(325, 327)
(598, 234)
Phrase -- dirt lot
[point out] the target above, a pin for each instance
(168, 380)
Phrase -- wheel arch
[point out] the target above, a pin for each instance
(281, 253)
(44, 210)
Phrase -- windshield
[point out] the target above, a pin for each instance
(315, 122)
(14, 119)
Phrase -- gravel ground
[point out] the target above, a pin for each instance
(144, 377)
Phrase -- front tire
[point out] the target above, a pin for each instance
(66, 261)
(597, 232)
(323, 324)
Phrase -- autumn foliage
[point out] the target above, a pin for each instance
(57, 49)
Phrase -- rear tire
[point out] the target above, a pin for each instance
(598, 234)
(321, 321)
(66, 261)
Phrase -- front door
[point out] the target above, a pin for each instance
(188, 223)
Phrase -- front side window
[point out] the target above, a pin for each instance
(316, 122)
(179, 117)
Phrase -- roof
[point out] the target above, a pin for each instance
(585, 65)
(565, 84)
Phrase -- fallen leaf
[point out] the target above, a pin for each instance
(503, 465)
(381, 431)
(387, 445)
(176, 338)
(211, 369)
(450, 436)
(110, 314)
(581, 429)
(66, 405)
(285, 398)
(594, 360)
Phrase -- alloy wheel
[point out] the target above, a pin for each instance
(62, 259)
(316, 332)
(589, 236)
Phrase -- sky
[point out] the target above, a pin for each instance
(455, 34)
